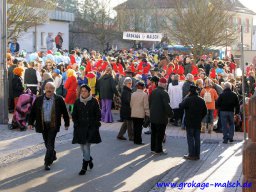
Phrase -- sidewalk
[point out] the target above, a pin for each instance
(219, 162)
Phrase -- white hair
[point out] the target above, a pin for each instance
(227, 85)
(127, 80)
(52, 84)
(189, 76)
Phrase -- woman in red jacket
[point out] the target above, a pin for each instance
(71, 87)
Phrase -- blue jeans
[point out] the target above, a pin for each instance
(193, 139)
(86, 151)
(227, 123)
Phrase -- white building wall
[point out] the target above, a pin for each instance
(254, 38)
(40, 32)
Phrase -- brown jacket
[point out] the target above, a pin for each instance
(139, 104)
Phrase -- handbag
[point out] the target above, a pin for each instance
(146, 122)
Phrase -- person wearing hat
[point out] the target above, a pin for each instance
(71, 86)
(81, 79)
(195, 110)
(32, 78)
(160, 111)
(86, 117)
(139, 109)
(57, 81)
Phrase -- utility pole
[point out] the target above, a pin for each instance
(243, 80)
(3, 68)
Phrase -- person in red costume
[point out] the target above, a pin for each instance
(72, 57)
(232, 67)
(113, 64)
(71, 86)
(88, 67)
(143, 69)
(132, 67)
(120, 66)
(101, 65)
(213, 73)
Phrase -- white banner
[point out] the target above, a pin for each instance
(142, 36)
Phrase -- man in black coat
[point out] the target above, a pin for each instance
(195, 110)
(47, 111)
(227, 103)
(160, 110)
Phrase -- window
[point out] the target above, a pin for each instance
(43, 40)
(239, 22)
(247, 25)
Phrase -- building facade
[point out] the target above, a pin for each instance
(34, 39)
(148, 15)
(254, 38)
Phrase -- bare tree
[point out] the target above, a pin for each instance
(139, 16)
(96, 18)
(201, 23)
(23, 14)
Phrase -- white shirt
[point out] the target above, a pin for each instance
(58, 81)
(175, 94)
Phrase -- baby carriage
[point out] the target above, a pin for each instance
(22, 110)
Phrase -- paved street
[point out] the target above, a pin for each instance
(119, 165)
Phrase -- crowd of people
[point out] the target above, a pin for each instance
(151, 88)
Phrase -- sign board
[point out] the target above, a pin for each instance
(142, 36)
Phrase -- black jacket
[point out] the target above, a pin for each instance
(30, 76)
(106, 87)
(228, 101)
(186, 87)
(36, 113)
(17, 87)
(86, 120)
(10, 78)
(195, 110)
(159, 106)
(125, 111)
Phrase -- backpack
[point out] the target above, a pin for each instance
(207, 97)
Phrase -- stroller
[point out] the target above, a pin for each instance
(22, 110)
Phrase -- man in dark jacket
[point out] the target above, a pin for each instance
(125, 111)
(47, 111)
(195, 110)
(160, 110)
(227, 103)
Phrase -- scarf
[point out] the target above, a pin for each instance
(84, 101)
